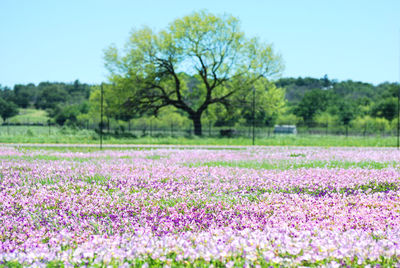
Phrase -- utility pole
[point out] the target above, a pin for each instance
(101, 116)
(398, 104)
(254, 111)
(398, 118)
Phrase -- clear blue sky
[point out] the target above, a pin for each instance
(63, 40)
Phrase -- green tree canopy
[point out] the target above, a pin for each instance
(313, 103)
(198, 60)
(386, 108)
(7, 109)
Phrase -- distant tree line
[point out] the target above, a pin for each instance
(308, 102)
(325, 102)
(58, 99)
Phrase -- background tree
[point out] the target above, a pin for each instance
(297, 87)
(7, 94)
(112, 105)
(199, 60)
(69, 114)
(269, 103)
(50, 96)
(327, 120)
(346, 113)
(288, 119)
(23, 95)
(386, 108)
(368, 125)
(313, 103)
(7, 109)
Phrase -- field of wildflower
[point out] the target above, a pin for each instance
(226, 207)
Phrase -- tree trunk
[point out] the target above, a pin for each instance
(196, 118)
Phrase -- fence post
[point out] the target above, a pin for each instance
(101, 117)
(254, 111)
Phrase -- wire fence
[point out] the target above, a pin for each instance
(171, 130)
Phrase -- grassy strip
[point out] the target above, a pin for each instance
(286, 165)
(75, 159)
(30, 116)
(89, 137)
(235, 262)
(370, 188)
(254, 194)
(45, 158)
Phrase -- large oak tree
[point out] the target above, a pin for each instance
(197, 61)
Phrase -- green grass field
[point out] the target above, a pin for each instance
(29, 116)
(286, 165)
(56, 135)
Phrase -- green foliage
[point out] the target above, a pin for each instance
(69, 114)
(313, 102)
(269, 103)
(386, 90)
(326, 119)
(7, 109)
(7, 94)
(309, 101)
(297, 87)
(50, 96)
(353, 90)
(23, 95)
(368, 124)
(97, 179)
(346, 112)
(386, 108)
(218, 61)
(112, 103)
(46, 95)
(344, 101)
(29, 133)
(288, 119)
